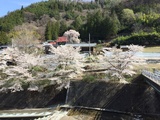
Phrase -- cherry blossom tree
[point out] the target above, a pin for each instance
(68, 60)
(16, 64)
(24, 61)
(119, 62)
(72, 36)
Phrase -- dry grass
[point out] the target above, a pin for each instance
(147, 66)
(152, 49)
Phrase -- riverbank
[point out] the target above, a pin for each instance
(135, 99)
(48, 97)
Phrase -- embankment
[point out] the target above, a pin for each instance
(49, 96)
(136, 97)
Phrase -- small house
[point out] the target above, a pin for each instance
(85, 47)
(61, 40)
(124, 47)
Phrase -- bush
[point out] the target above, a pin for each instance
(89, 78)
(44, 82)
(128, 17)
(147, 19)
(35, 69)
(3, 75)
(68, 16)
(38, 69)
(143, 38)
(94, 76)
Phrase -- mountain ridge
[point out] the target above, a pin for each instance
(113, 18)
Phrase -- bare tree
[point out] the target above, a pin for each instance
(24, 36)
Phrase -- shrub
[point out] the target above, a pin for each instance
(141, 38)
(3, 75)
(89, 78)
(128, 16)
(93, 77)
(38, 69)
(147, 19)
(44, 82)
(35, 69)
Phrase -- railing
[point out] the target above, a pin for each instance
(93, 108)
(157, 72)
(155, 77)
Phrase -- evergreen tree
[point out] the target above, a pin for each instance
(128, 17)
(4, 39)
(94, 24)
(106, 28)
(63, 28)
(48, 32)
(116, 25)
(77, 23)
(22, 7)
(55, 30)
(52, 30)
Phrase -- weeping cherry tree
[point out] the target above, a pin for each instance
(72, 36)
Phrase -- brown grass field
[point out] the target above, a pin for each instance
(152, 49)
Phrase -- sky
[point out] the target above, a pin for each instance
(12, 5)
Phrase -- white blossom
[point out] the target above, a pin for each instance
(19, 67)
(68, 58)
(24, 62)
(119, 62)
(16, 87)
(33, 88)
(72, 36)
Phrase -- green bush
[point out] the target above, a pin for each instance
(147, 19)
(93, 77)
(38, 69)
(35, 69)
(44, 82)
(25, 84)
(12, 81)
(89, 78)
(68, 16)
(142, 38)
(3, 75)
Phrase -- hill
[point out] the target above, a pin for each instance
(122, 22)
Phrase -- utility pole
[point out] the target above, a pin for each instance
(89, 45)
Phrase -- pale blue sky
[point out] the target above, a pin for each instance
(11, 5)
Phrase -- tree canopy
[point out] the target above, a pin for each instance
(102, 19)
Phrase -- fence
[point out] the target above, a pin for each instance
(153, 76)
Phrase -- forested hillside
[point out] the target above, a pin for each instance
(116, 21)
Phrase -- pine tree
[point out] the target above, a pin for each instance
(77, 23)
(63, 28)
(55, 30)
(48, 32)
